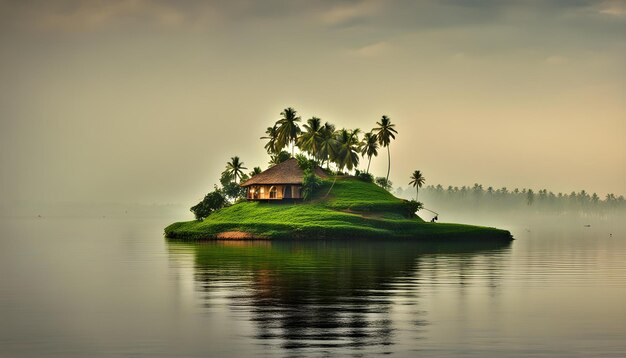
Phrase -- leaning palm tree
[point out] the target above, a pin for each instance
(369, 147)
(417, 180)
(235, 168)
(288, 128)
(385, 133)
(272, 135)
(328, 144)
(311, 137)
(348, 149)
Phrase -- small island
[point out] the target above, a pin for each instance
(295, 198)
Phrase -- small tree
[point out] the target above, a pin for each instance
(211, 202)
(230, 189)
(412, 207)
(310, 184)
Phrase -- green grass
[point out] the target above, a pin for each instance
(352, 209)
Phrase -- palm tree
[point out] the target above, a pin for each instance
(288, 128)
(278, 158)
(369, 147)
(417, 180)
(311, 138)
(235, 168)
(348, 149)
(255, 171)
(328, 144)
(272, 136)
(385, 133)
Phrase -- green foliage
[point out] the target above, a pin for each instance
(369, 147)
(255, 171)
(235, 168)
(287, 128)
(272, 135)
(348, 147)
(230, 189)
(311, 138)
(211, 202)
(385, 132)
(417, 180)
(352, 209)
(310, 184)
(279, 158)
(304, 163)
(412, 207)
(384, 183)
(366, 177)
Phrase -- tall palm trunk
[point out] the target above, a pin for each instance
(368, 164)
(388, 163)
(417, 193)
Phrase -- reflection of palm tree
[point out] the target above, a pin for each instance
(320, 294)
(417, 180)
(385, 133)
(369, 147)
(235, 168)
(288, 128)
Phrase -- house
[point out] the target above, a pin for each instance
(280, 182)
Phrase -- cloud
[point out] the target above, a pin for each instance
(613, 8)
(87, 16)
(373, 50)
(347, 12)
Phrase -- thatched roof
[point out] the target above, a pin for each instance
(287, 172)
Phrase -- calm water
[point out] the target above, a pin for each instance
(114, 287)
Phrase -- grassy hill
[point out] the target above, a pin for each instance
(348, 209)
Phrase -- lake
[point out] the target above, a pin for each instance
(76, 287)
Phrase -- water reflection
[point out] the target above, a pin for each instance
(346, 295)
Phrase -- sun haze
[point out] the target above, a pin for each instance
(145, 101)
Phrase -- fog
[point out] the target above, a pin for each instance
(144, 101)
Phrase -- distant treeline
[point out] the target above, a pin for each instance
(477, 197)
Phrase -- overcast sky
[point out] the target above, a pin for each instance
(145, 101)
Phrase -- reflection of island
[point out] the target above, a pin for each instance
(323, 294)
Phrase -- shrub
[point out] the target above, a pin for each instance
(411, 207)
(366, 177)
(384, 183)
(310, 184)
(230, 189)
(211, 202)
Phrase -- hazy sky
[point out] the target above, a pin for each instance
(145, 101)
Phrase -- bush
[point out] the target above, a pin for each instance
(231, 189)
(411, 207)
(211, 202)
(366, 177)
(384, 183)
(310, 184)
